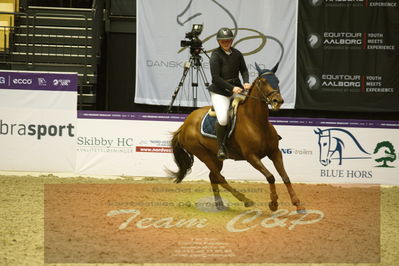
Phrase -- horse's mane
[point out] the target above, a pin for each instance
(350, 136)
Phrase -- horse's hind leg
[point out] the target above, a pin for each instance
(257, 163)
(216, 193)
(215, 166)
(277, 159)
(241, 197)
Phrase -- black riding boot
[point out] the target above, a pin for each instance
(221, 137)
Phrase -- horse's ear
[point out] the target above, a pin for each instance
(258, 69)
(274, 69)
(318, 131)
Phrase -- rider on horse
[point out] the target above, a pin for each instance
(226, 63)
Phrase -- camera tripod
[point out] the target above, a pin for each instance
(196, 70)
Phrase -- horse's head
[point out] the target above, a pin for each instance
(324, 146)
(268, 85)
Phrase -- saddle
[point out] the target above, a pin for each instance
(209, 119)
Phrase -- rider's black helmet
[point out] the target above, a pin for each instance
(224, 34)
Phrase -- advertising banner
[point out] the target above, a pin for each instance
(37, 121)
(126, 144)
(260, 26)
(341, 151)
(348, 55)
(314, 150)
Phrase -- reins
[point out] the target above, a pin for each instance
(264, 96)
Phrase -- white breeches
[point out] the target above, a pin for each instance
(221, 104)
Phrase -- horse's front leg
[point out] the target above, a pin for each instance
(277, 159)
(257, 164)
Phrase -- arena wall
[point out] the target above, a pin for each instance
(41, 130)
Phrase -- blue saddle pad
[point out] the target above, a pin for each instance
(208, 126)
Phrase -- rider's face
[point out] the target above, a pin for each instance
(225, 44)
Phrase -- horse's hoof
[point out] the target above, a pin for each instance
(220, 206)
(301, 211)
(273, 206)
(249, 203)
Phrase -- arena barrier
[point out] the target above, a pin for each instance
(138, 144)
(37, 121)
(40, 130)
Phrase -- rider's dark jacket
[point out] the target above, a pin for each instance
(225, 69)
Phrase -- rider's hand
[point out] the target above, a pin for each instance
(247, 86)
(237, 90)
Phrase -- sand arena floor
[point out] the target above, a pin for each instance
(26, 213)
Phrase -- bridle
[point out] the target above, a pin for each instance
(265, 96)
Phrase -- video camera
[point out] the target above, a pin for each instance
(194, 42)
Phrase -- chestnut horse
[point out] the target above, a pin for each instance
(254, 137)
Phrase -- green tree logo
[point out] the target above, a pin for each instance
(384, 152)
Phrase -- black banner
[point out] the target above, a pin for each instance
(348, 55)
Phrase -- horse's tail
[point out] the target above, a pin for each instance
(183, 159)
